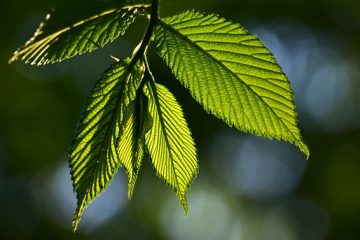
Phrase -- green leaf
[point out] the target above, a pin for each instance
(94, 154)
(169, 141)
(136, 123)
(77, 27)
(230, 73)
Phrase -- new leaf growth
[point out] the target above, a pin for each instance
(129, 116)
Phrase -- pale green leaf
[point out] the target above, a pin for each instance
(76, 27)
(94, 155)
(230, 73)
(169, 142)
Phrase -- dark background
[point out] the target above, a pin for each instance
(248, 188)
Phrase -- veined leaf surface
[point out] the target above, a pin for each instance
(94, 155)
(230, 73)
(171, 147)
(137, 121)
(76, 27)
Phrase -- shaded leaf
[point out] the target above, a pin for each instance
(230, 73)
(136, 123)
(76, 27)
(94, 154)
(169, 141)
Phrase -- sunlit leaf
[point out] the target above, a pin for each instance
(76, 27)
(169, 141)
(94, 155)
(230, 73)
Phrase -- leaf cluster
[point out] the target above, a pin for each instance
(128, 115)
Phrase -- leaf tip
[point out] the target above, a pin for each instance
(130, 190)
(115, 58)
(75, 225)
(130, 193)
(78, 214)
(13, 58)
(184, 204)
(76, 221)
(132, 182)
(304, 149)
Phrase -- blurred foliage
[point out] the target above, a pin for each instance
(317, 43)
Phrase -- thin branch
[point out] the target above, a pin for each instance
(154, 17)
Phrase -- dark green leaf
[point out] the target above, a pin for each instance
(136, 123)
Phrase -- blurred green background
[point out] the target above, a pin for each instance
(248, 188)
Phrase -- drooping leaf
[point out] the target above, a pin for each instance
(76, 27)
(171, 147)
(230, 73)
(137, 121)
(94, 155)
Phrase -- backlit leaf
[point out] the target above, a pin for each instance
(171, 147)
(76, 27)
(230, 73)
(94, 155)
